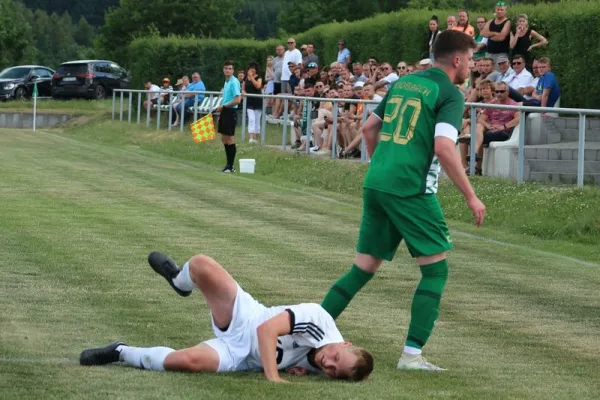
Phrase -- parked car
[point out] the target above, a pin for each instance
(92, 79)
(17, 82)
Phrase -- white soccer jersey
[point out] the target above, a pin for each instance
(312, 328)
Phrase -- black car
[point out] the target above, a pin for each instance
(18, 82)
(92, 79)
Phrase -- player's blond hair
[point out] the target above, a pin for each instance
(364, 364)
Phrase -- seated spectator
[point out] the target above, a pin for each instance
(495, 125)
(295, 76)
(313, 73)
(521, 40)
(504, 73)
(301, 126)
(196, 86)
(463, 24)
(483, 94)
(528, 91)
(373, 61)
(181, 85)
(152, 97)
(366, 71)
(348, 116)
(547, 90)
(353, 148)
(165, 91)
(383, 84)
(432, 33)
(401, 69)
(344, 55)
(425, 64)
(411, 69)
(479, 39)
(520, 80)
(357, 71)
(320, 124)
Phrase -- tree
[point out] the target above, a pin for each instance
(83, 33)
(202, 18)
(15, 34)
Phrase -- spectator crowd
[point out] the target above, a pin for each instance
(504, 71)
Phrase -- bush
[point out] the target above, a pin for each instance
(572, 32)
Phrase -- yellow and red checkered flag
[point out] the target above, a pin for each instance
(203, 129)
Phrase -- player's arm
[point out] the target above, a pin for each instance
(268, 332)
(371, 133)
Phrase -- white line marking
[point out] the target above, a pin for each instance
(321, 197)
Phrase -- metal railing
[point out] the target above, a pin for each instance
(582, 113)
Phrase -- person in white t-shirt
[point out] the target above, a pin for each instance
(294, 56)
(299, 338)
(152, 97)
(389, 78)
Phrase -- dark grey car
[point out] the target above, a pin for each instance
(92, 79)
(18, 82)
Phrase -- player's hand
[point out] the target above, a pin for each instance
(219, 109)
(278, 380)
(478, 210)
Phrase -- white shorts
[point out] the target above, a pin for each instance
(234, 345)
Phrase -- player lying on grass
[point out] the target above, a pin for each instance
(301, 338)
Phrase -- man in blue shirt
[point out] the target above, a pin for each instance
(232, 96)
(547, 91)
(196, 86)
(344, 55)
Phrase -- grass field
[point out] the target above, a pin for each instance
(82, 208)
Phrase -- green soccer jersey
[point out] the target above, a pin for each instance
(404, 162)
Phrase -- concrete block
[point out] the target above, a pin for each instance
(553, 154)
(530, 153)
(575, 155)
(572, 123)
(566, 154)
(590, 155)
(560, 123)
(594, 123)
(542, 154)
(554, 137)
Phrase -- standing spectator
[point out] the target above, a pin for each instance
(304, 55)
(269, 76)
(450, 22)
(547, 91)
(311, 57)
(232, 95)
(278, 72)
(253, 85)
(181, 85)
(291, 58)
(520, 41)
(463, 24)
(497, 30)
(241, 75)
(344, 55)
(152, 97)
(434, 31)
(196, 86)
(480, 40)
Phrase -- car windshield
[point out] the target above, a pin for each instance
(15, 73)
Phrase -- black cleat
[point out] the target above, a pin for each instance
(101, 355)
(165, 267)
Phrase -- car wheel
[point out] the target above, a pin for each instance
(20, 93)
(100, 92)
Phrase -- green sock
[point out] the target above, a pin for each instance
(342, 292)
(426, 303)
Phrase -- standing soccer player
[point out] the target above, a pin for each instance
(412, 131)
(232, 96)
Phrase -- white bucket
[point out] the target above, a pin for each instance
(247, 165)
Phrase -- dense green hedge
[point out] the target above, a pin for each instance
(572, 29)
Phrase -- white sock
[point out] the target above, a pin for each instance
(183, 280)
(413, 351)
(146, 358)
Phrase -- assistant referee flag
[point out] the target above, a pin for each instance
(203, 129)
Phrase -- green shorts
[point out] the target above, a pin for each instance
(387, 219)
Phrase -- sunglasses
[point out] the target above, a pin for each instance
(481, 22)
(500, 4)
(517, 63)
(499, 91)
(291, 42)
(401, 67)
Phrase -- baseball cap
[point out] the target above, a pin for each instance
(359, 84)
(502, 59)
(425, 61)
